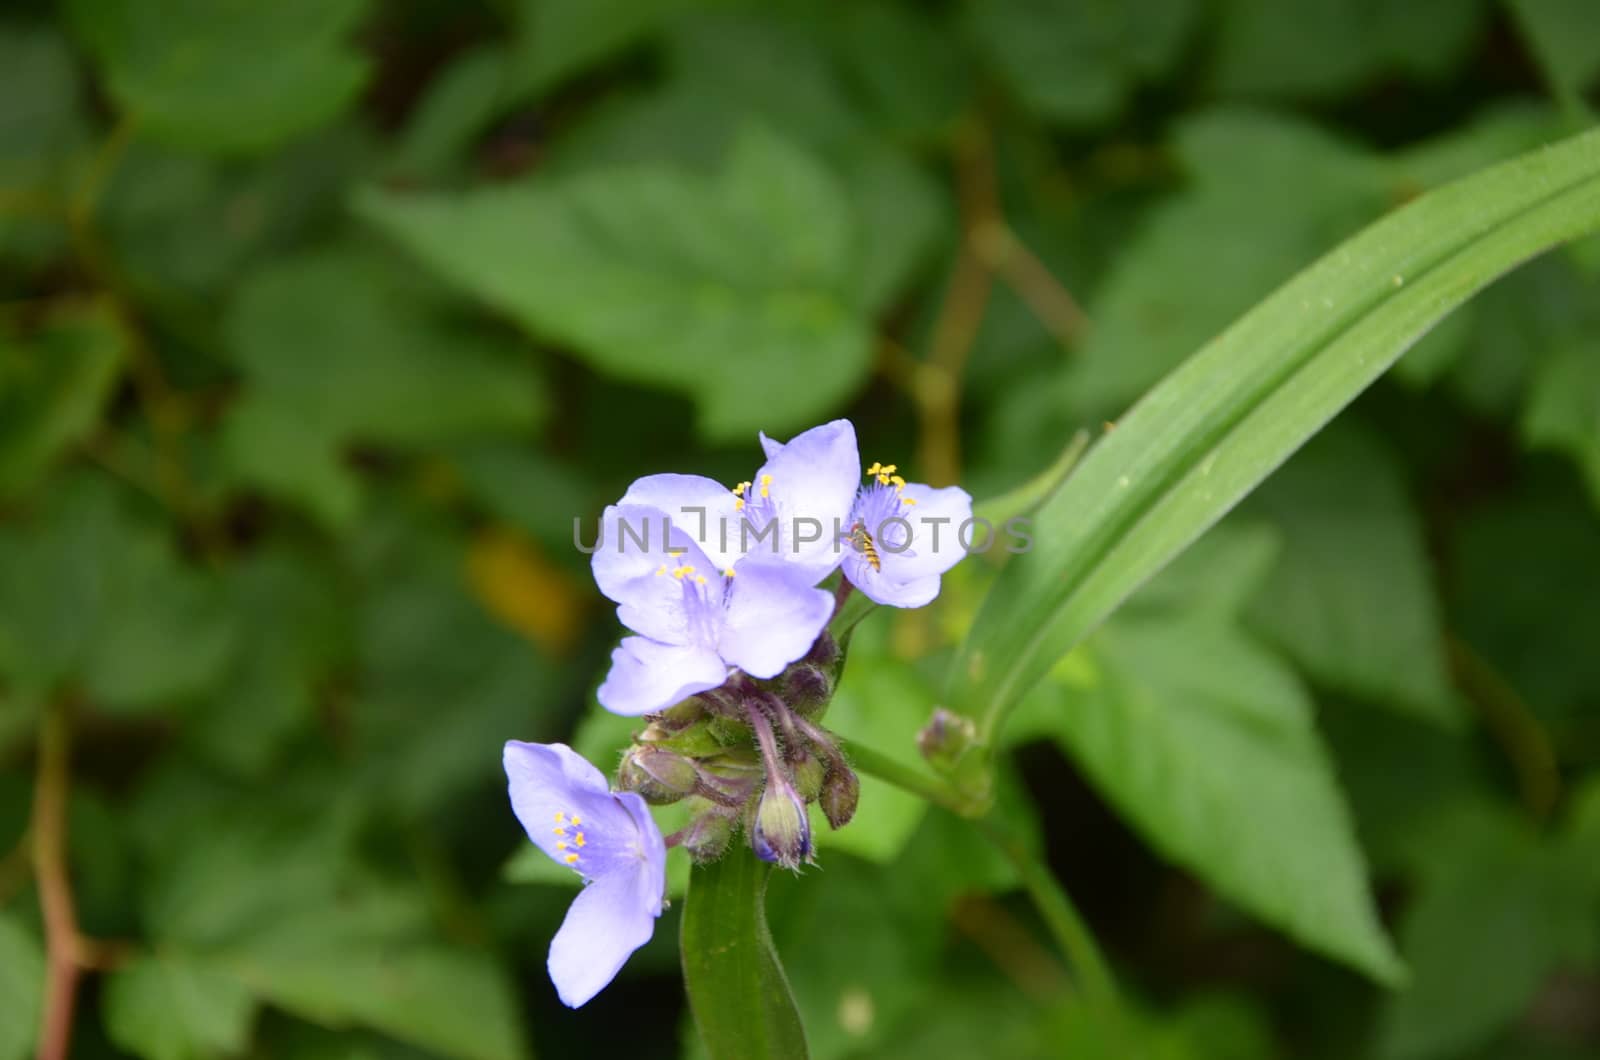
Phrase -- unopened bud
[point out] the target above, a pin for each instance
(807, 688)
(946, 737)
(660, 776)
(707, 836)
(841, 791)
(782, 832)
(807, 771)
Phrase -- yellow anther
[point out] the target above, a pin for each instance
(699, 579)
(559, 831)
(899, 483)
(579, 839)
(728, 573)
(908, 501)
(560, 817)
(575, 821)
(875, 468)
(571, 859)
(561, 845)
(738, 505)
(766, 481)
(661, 570)
(740, 488)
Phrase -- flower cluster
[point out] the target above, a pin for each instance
(729, 658)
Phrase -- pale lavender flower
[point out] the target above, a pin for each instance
(608, 838)
(697, 620)
(790, 509)
(898, 536)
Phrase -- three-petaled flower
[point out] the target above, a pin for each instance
(695, 618)
(608, 838)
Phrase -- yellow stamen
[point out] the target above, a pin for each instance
(560, 817)
(561, 845)
(766, 481)
(728, 573)
(575, 821)
(738, 505)
(571, 859)
(699, 579)
(559, 831)
(580, 840)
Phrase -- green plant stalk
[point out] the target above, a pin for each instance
(1054, 906)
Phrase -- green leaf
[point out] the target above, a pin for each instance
(652, 274)
(340, 347)
(166, 1008)
(1219, 424)
(1078, 62)
(1352, 598)
(1563, 409)
(228, 76)
(1493, 897)
(1565, 38)
(94, 594)
(1189, 728)
(21, 989)
(53, 384)
(737, 990)
(1324, 47)
(557, 38)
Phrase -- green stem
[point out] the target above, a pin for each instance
(1054, 906)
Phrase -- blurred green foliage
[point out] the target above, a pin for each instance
(320, 322)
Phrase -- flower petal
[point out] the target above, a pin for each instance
(701, 507)
(882, 589)
(937, 519)
(547, 779)
(648, 676)
(637, 550)
(770, 448)
(774, 616)
(814, 477)
(610, 918)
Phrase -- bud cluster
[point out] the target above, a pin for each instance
(749, 756)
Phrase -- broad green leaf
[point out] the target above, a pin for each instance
(21, 989)
(1078, 62)
(1205, 742)
(90, 593)
(340, 347)
(1324, 47)
(737, 990)
(228, 76)
(1352, 599)
(162, 1007)
(1219, 424)
(1493, 897)
(53, 383)
(652, 275)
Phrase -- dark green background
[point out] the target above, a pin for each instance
(321, 321)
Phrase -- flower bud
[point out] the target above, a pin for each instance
(945, 738)
(782, 832)
(806, 688)
(807, 771)
(840, 793)
(659, 775)
(706, 837)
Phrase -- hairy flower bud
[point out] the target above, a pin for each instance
(707, 835)
(782, 832)
(659, 775)
(807, 771)
(806, 688)
(840, 793)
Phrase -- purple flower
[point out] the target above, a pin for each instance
(899, 536)
(792, 509)
(606, 837)
(695, 618)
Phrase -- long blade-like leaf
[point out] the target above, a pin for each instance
(1224, 419)
(737, 989)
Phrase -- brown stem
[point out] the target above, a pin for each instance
(49, 829)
